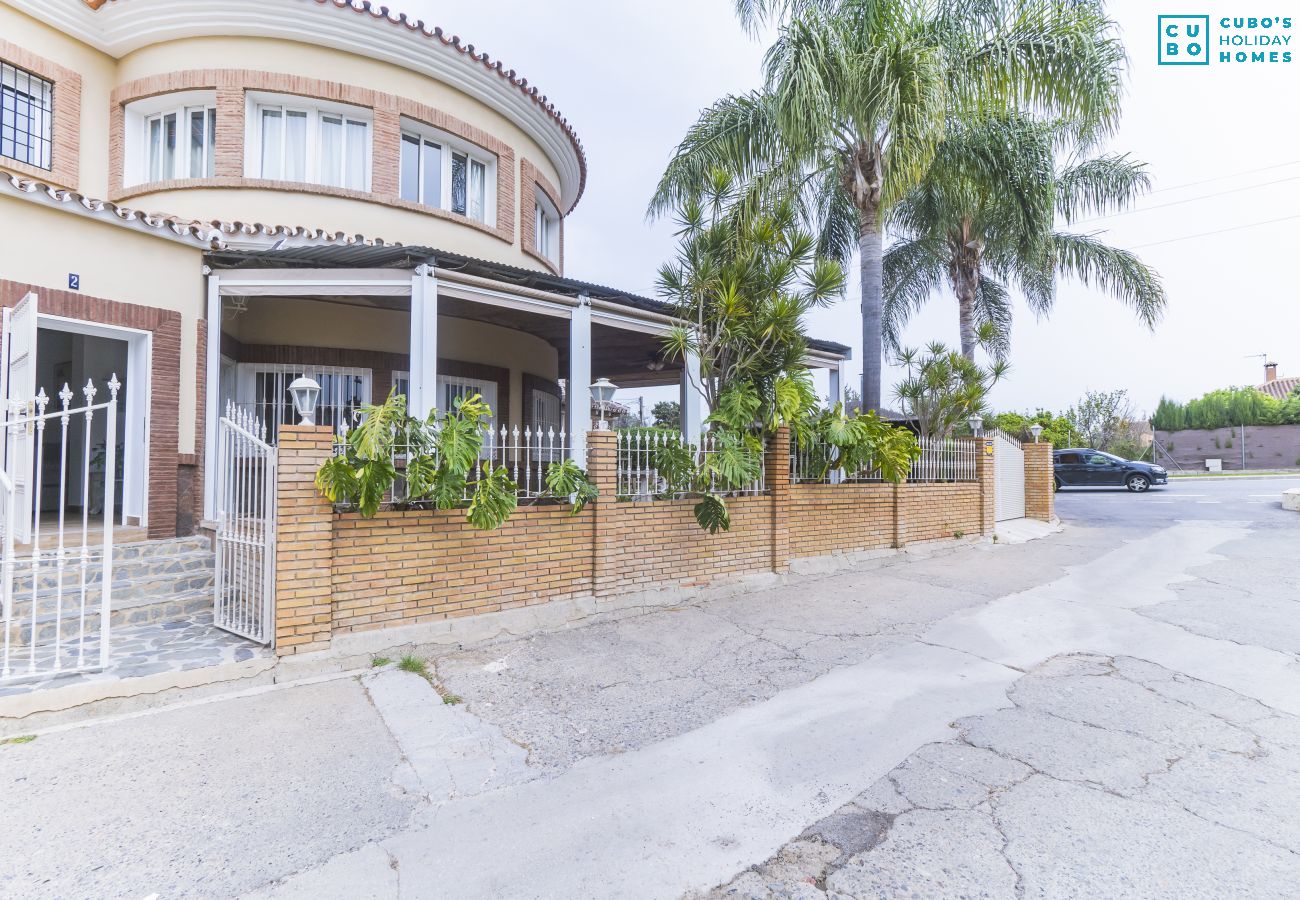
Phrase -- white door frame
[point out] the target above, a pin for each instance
(139, 388)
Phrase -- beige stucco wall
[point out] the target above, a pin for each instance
(98, 76)
(308, 323)
(42, 245)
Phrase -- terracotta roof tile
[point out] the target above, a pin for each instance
(379, 13)
(1281, 388)
(213, 234)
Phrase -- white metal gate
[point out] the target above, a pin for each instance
(1008, 477)
(56, 570)
(245, 576)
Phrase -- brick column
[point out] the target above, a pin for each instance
(1040, 489)
(776, 462)
(984, 472)
(602, 470)
(304, 552)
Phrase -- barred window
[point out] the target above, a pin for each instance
(26, 116)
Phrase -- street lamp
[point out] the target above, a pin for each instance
(1035, 430)
(602, 391)
(976, 422)
(305, 392)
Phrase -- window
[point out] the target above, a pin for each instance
(264, 390)
(181, 143)
(546, 228)
(437, 171)
(451, 389)
(547, 414)
(316, 145)
(1069, 459)
(26, 117)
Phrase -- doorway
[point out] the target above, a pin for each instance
(45, 352)
(69, 359)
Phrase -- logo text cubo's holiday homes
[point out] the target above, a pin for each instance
(1193, 40)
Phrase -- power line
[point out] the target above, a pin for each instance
(1129, 212)
(1188, 237)
(1179, 187)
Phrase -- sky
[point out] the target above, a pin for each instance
(1220, 142)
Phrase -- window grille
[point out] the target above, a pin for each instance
(26, 117)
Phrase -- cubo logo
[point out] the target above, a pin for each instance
(1184, 40)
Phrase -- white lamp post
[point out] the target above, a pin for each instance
(1035, 430)
(305, 392)
(976, 422)
(602, 391)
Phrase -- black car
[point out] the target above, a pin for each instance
(1093, 468)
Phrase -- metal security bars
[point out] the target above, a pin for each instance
(244, 601)
(945, 459)
(26, 117)
(641, 454)
(526, 455)
(56, 573)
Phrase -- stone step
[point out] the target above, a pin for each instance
(125, 571)
(141, 611)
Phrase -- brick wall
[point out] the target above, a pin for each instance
(341, 573)
(1040, 492)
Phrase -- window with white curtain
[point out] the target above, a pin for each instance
(440, 171)
(181, 143)
(170, 136)
(301, 141)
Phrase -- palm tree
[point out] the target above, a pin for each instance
(983, 216)
(856, 96)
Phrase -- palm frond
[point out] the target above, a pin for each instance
(913, 271)
(1099, 185)
(1116, 271)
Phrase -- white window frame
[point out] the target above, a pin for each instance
(314, 110)
(546, 228)
(449, 146)
(38, 92)
(137, 119)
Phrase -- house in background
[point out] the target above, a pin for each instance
(211, 198)
(1278, 388)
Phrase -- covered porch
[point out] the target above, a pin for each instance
(363, 320)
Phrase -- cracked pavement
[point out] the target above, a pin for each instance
(1109, 711)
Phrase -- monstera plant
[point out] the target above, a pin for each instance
(440, 453)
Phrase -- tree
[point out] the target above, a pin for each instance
(942, 388)
(983, 217)
(667, 414)
(855, 99)
(741, 286)
(1102, 418)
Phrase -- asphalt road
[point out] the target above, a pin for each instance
(1255, 498)
(1113, 710)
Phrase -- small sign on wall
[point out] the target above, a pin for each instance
(988, 448)
(74, 282)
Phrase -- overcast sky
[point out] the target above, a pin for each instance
(632, 77)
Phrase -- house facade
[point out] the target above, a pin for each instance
(211, 198)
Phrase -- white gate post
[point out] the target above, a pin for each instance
(423, 395)
(110, 485)
(577, 395)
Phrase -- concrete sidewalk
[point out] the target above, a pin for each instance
(644, 757)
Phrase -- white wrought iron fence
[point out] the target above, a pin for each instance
(244, 597)
(56, 569)
(526, 455)
(945, 459)
(642, 453)
(815, 462)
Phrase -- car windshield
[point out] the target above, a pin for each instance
(1111, 456)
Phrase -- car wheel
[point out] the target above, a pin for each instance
(1137, 483)
(1057, 483)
